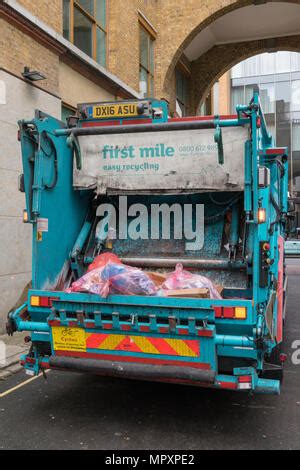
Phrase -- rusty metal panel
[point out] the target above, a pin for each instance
(168, 161)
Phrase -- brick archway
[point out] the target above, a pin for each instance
(188, 20)
(218, 60)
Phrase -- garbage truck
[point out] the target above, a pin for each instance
(228, 182)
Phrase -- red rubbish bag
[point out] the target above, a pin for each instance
(104, 259)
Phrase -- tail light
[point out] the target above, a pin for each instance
(261, 215)
(25, 216)
(238, 313)
(282, 357)
(38, 301)
(244, 382)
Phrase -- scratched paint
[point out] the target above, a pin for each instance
(173, 160)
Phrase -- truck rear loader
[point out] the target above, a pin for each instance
(110, 154)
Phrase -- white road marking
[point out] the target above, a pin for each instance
(22, 384)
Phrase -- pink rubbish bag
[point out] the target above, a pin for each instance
(91, 282)
(115, 278)
(181, 279)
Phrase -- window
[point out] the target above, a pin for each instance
(295, 101)
(182, 93)
(66, 19)
(146, 63)
(237, 97)
(206, 107)
(267, 97)
(296, 136)
(84, 24)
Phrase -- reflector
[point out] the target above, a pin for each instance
(240, 312)
(228, 312)
(35, 301)
(44, 302)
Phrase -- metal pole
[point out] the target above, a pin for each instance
(237, 341)
(33, 326)
(130, 129)
(191, 263)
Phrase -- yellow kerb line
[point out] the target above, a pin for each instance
(7, 392)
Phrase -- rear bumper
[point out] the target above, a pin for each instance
(164, 373)
(133, 370)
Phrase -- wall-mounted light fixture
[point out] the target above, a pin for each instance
(33, 76)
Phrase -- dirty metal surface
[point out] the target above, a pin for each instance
(164, 161)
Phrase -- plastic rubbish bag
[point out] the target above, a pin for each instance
(103, 259)
(115, 278)
(128, 280)
(181, 279)
(90, 282)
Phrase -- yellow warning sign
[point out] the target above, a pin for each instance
(68, 339)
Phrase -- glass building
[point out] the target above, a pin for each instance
(278, 77)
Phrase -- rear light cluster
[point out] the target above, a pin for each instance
(245, 382)
(25, 216)
(37, 301)
(261, 215)
(239, 313)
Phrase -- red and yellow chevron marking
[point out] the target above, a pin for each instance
(143, 344)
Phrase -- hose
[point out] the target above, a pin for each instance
(278, 213)
(219, 215)
(281, 167)
(219, 203)
(53, 151)
(31, 171)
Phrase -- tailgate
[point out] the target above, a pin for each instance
(134, 336)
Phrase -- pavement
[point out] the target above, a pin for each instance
(78, 411)
(11, 347)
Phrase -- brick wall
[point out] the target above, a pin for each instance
(123, 45)
(27, 52)
(178, 23)
(49, 11)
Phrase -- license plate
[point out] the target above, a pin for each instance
(124, 110)
(68, 339)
